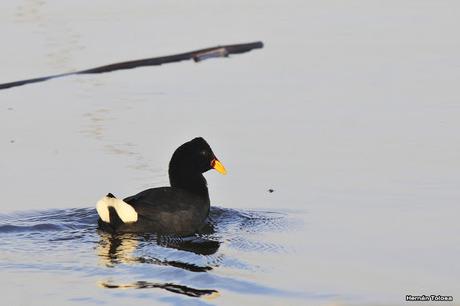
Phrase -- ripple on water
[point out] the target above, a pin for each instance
(68, 240)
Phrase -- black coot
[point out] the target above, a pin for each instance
(181, 209)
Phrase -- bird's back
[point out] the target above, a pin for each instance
(165, 210)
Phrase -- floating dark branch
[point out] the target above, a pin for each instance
(197, 56)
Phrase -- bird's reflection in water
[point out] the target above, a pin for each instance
(114, 249)
(194, 244)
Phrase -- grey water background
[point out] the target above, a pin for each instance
(350, 113)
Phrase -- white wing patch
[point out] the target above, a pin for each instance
(125, 211)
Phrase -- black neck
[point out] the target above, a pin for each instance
(193, 182)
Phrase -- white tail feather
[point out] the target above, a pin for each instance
(125, 211)
(103, 210)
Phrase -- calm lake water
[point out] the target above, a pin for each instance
(350, 114)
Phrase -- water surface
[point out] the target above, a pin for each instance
(350, 113)
(226, 260)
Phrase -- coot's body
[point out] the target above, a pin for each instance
(181, 209)
(162, 210)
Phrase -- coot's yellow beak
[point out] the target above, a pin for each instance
(216, 164)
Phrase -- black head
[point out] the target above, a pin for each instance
(194, 157)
